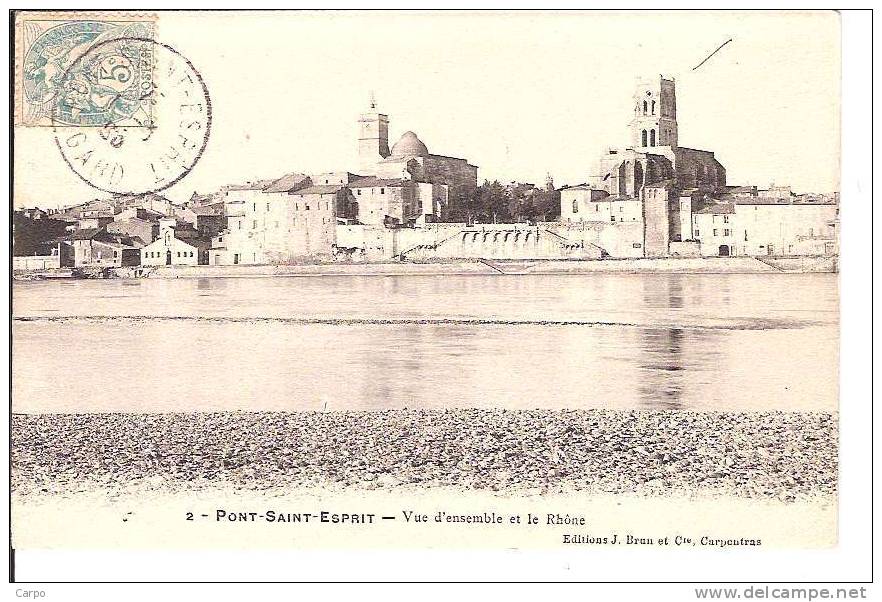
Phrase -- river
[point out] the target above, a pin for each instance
(702, 342)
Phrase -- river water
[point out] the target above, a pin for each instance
(706, 342)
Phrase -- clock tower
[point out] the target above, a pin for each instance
(655, 113)
(373, 139)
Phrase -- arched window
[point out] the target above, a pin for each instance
(575, 206)
(643, 138)
(651, 137)
(653, 107)
(645, 107)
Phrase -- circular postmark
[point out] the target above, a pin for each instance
(131, 116)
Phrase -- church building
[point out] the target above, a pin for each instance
(298, 215)
(655, 155)
(407, 163)
(656, 198)
(647, 174)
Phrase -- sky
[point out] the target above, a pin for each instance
(518, 94)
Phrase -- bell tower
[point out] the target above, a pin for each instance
(655, 113)
(373, 139)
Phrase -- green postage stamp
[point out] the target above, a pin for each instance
(83, 69)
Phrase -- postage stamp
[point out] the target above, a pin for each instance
(105, 89)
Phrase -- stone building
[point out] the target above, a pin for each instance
(655, 154)
(284, 220)
(409, 158)
(246, 209)
(640, 186)
(679, 199)
(142, 230)
(169, 249)
(313, 213)
(586, 204)
(686, 202)
(96, 248)
(397, 201)
(656, 219)
(209, 219)
(765, 226)
(296, 217)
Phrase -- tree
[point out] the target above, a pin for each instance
(493, 202)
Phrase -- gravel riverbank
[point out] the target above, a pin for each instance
(779, 455)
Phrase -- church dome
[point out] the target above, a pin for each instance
(409, 146)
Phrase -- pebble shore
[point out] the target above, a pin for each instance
(777, 455)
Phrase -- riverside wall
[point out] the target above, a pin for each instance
(672, 265)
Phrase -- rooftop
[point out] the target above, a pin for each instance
(102, 236)
(409, 145)
(372, 181)
(321, 189)
(86, 234)
(717, 208)
(286, 182)
(258, 185)
(214, 209)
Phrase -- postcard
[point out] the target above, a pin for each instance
(425, 280)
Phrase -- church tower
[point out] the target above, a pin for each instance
(655, 113)
(373, 139)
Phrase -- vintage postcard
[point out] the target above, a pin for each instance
(425, 280)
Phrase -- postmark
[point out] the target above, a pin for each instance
(144, 150)
(46, 46)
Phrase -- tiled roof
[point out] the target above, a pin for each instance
(215, 209)
(131, 220)
(128, 199)
(102, 236)
(322, 189)
(717, 208)
(259, 185)
(86, 234)
(98, 215)
(286, 182)
(372, 182)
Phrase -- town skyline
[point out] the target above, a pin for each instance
(517, 132)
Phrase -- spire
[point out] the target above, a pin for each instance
(373, 100)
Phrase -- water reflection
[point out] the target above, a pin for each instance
(668, 350)
(661, 384)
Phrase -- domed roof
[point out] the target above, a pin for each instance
(409, 146)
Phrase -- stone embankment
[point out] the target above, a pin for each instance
(778, 455)
(667, 265)
(670, 265)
